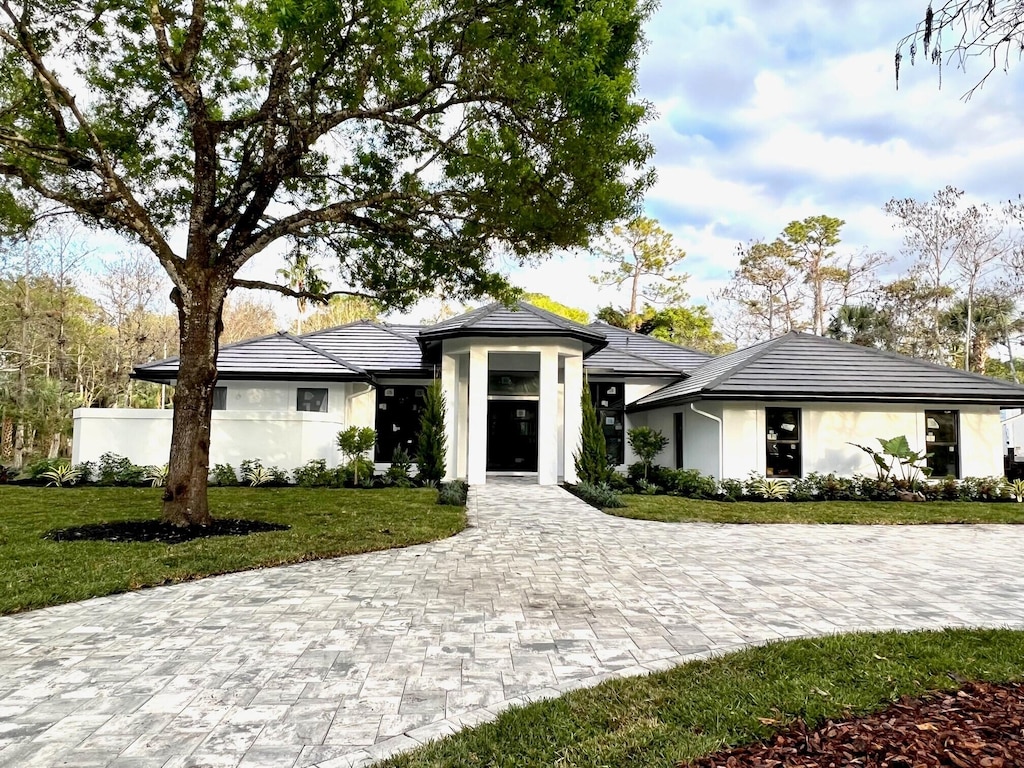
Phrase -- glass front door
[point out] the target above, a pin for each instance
(512, 436)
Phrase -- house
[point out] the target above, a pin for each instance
(512, 379)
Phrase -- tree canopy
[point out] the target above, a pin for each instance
(401, 140)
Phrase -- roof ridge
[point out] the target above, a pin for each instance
(485, 311)
(546, 314)
(646, 359)
(232, 345)
(765, 347)
(324, 353)
(393, 332)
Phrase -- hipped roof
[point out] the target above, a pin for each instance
(803, 367)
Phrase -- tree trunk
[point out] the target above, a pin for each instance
(200, 303)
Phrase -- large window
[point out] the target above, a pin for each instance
(609, 400)
(782, 428)
(398, 419)
(942, 441)
(311, 400)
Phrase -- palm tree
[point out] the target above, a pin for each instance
(994, 320)
(859, 324)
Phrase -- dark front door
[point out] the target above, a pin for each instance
(512, 436)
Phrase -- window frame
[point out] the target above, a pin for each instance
(775, 442)
(930, 445)
(616, 409)
(409, 432)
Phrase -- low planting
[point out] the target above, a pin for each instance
(36, 572)
(669, 718)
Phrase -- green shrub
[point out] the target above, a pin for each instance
(157, 475)
(874, 489)
(768, 488)
(398, 473)
(640, 472)
(86, 471)
(690, 483)
(646, 443)
(832, 487)
(600, 495)
(732, 488)
(431, 449)
(647, 489)
(224, 474)
(118, 470)
(592, 465)
(37, 468)
(361, 468)
(453, 493)
(619, 482)
(315, 474)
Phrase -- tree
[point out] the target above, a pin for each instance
(992, 30)
(544, 301)
(354, 442)
(642, 255)
(431, 448)
(813, 242)
(591, 460)
(860, 324)
(766, 284)
(341, 310)
(646, 443)
(404, 140)
(246, 317)
(691, 327)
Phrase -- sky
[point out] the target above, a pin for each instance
(773, 110)
(766, 111)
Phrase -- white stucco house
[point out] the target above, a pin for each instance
(512, 379)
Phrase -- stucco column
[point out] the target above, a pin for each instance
(477, 432)
(547, 419)
(573, 413)
(450, 389)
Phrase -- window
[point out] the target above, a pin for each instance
(783, 442)
(220, 398)
(677, 433)
(942, 441)
(609, 400)
(513, 383)
(311, 400)
(399, 408)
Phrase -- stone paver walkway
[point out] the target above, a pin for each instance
(338, 662)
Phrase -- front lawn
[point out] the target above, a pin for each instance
(323, 523)
(677, 509)
(698, 708)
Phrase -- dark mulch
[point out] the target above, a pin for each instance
(164, 533)
(980, 726)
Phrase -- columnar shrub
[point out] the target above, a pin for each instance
(592, 464)
(431, 450)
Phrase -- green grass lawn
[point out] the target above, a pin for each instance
(676, 509)
(701, 707)
(324, 523)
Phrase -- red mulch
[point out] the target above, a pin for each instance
(979, 726)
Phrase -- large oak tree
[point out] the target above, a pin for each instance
(406, 138)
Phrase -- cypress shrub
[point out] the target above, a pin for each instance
(592, 457)
(431, 450)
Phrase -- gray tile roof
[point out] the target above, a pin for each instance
(279, 356)
(799, 366)
(523, 320)
(663, 354)
(375, 347)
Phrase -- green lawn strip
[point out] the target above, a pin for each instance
(703, 706)
(677, 509)
(324, 523)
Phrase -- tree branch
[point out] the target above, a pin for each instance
(318, 298)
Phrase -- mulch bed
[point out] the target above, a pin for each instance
(979, 726)
(130, 531)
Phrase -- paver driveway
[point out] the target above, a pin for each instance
(336, 662)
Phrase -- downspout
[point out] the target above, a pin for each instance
(721, 437)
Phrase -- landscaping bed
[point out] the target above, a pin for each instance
(755, 696)
(36, 571)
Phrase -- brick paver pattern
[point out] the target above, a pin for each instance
(341, 662)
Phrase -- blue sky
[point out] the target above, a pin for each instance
(773, 110)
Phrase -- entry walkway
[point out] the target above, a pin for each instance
(337, 662)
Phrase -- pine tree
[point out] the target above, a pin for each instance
(592, 458)
(431, 450)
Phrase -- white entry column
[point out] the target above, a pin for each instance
(547, 419)
(450, 390)
(573, 414)
(477, 473)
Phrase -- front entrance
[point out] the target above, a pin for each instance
(512, 436)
